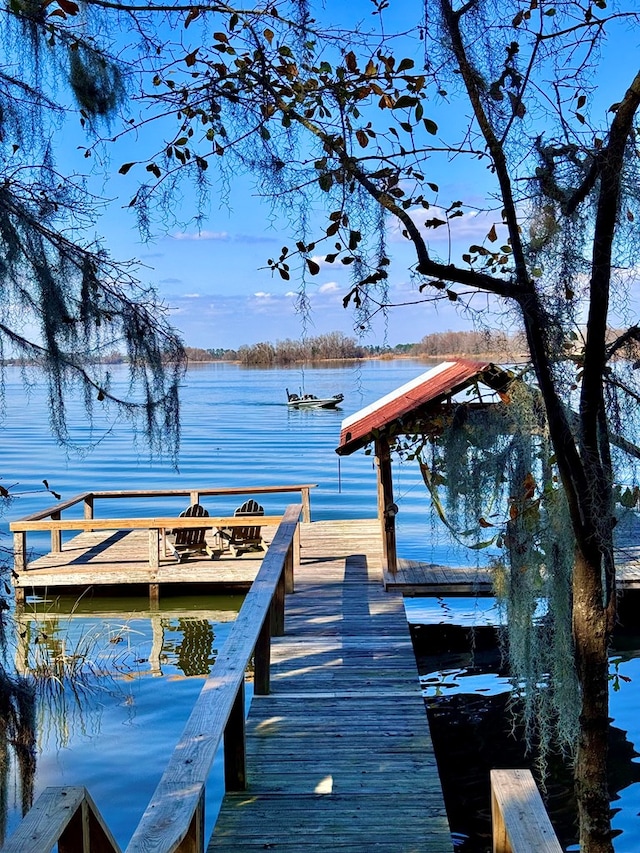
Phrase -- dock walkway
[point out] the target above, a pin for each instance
(339, 755)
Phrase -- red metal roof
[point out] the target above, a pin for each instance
(439, 382)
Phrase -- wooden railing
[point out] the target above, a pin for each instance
(520, 821)
(51, 518)
(173, 821)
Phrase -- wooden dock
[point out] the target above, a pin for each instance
(339, 755)
(109, 558)
(417, 578)
(336, 752)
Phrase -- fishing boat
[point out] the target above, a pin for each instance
(309, 401)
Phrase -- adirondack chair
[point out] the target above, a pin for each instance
(189, 541)
(249, 538)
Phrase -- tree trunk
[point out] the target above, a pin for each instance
(591, 639)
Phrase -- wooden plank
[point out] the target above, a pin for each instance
(88, 498)
(520, 821)
(161, 523)
(67, 815)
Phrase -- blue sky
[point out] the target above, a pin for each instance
(216, 282)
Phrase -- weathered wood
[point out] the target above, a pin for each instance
(88, 498)
(306, 503)
(520, 821)
(161, 523)
(64, 816)
(19, 551)
(154, 548)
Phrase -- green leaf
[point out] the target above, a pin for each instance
(314, 268)
(477, 546)
(125, 168)
(430, 126)
(405, 101)
(325, 181)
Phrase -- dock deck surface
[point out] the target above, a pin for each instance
(339, 755)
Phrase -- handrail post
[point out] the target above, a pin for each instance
(56, 535)
(277, 608)
(154, 547)
(262, 659)
(288, 565)
(20, 551)
(194, 497)
(306, 504)
(88, 506)
(235, 751)
(193, 842)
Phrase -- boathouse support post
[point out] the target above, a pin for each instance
(386, 507)
(235, 769)
(262, 659)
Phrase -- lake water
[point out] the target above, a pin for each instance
(236, 430)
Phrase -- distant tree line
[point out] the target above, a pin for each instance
(330, 346)
(337, 346)
(497, 344)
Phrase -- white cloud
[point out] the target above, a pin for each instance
(329, 287)
(201, 235)
(473, 226)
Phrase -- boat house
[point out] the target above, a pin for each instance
(405, 411)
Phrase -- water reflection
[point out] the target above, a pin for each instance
(474, 728)
(105, 673)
